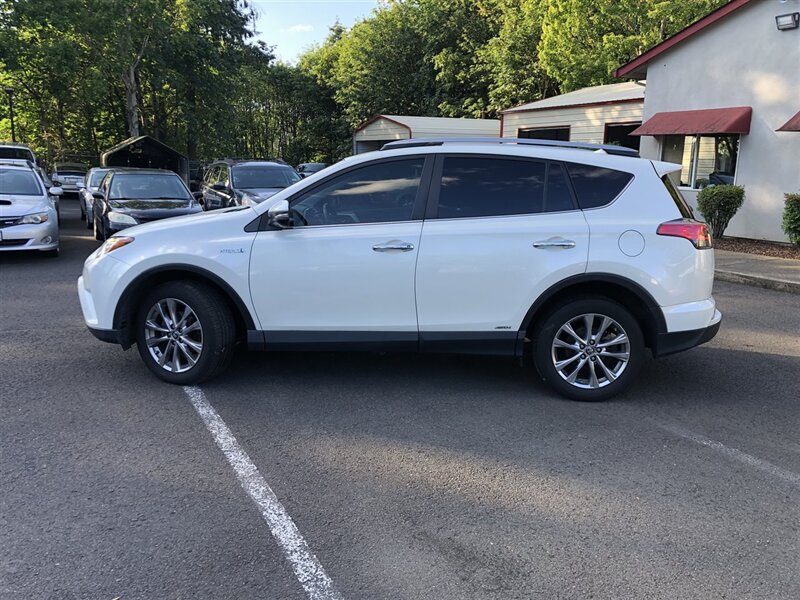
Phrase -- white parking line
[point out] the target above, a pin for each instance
(306, 567)
(738, 455)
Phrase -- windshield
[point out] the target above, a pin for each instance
(19, 183)
(96, 177)
(263, 177)
(16, 153)
(140, 187)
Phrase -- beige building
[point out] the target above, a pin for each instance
(600, 115)
(382, 129)
(723, 100)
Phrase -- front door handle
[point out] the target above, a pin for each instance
(393, 245)
(554, 243)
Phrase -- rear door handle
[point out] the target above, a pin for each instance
(554, 243)
(393, 245)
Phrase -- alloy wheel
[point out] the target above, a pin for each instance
(174, 335)
(590, 351)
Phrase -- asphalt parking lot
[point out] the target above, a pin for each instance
(407, 476)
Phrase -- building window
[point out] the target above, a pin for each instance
(560, 134)
(620, 134)
(705, 159)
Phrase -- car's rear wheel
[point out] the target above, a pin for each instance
(185, 332)
(588, 349)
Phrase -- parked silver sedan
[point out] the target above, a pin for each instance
(28, 217)
(85, 195)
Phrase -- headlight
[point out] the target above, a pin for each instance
(250, 200)
(121, 218)
(34, 219)
(113, 243)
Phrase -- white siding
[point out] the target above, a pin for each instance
(743, 60)
(586, 123)
(382, 129)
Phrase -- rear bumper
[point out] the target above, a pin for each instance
(678, 341)
(105, 335)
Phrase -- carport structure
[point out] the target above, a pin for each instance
(382, 129)
(146, 152)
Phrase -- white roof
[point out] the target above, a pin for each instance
(441, 124)
(599, 94)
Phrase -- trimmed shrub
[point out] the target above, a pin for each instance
(718, 204)
(791, 217)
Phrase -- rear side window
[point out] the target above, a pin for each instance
(596, 186)
(486, 187)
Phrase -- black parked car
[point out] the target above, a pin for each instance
(129, 197)
(241, 182)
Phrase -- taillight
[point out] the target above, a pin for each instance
(697, 233)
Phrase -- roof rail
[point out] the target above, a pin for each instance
(607, 148)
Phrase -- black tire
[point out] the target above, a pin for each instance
(218, 330)
(89, 224)
(544, 354)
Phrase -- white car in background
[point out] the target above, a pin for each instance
(28, 213)
(573, 258)
(70, 176)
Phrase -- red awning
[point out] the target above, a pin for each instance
(792, 124)
(691, 122)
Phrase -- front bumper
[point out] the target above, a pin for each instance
(678, 341)
(43, 236)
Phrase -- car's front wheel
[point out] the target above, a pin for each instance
(588, 349)
(185, 332)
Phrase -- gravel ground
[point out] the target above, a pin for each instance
(760, 247)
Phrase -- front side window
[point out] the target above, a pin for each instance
(476, 186)
(148, 187)
(705, 159)
(376, 193)
(96, 177)
(19, 183)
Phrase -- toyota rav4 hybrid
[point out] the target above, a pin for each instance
(573, 259)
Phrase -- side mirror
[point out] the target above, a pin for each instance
(278, 215)
(55, 190)
(198, 197)
(219, 187)
(97, 195)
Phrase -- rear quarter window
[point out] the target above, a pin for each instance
(596, 186)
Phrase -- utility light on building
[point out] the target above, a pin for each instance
(787, 21)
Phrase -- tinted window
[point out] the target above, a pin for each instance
(247, 177)
(16, 153)
(140, 187)
(596, 186)
(483, 187)
(375, 193)
(21, 183)
(558, 196)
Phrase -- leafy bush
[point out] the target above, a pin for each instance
(791, 217)
(718, 204)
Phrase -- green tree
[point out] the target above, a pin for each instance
(584, 41)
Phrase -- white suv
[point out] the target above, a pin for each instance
(572, 260)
